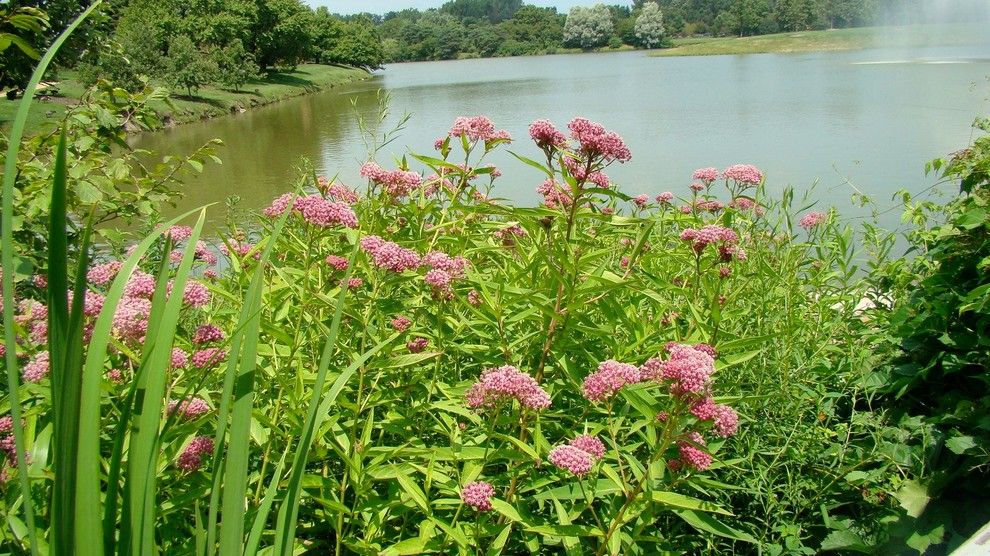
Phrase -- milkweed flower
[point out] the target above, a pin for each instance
(388, 255)
(190, 408)
(37, 368)
(474, 298)
(477, 128)
(546, 135)
(570, 458)
(692, 455)
(705, 174)
(438, 260)
(401, 323)
(812, 219)
(641, 200)
(665, 198)
(140, 284)
(179, 233)
(688, 367)
(208, 333)
(478, 494)
(130, 319)
(416, 345)
(179, 358)
(744, 174)
(196, 295)
(102, 274)
(279, 205)
(554, 194)
(342, 193)
(398, 183)
(323, 213)
(209, 357)
(610, 377)
(596, 141)
(506, 383)
(191, 457)
(337, 262)
(725, 421)
(708, 235)
(589, 444)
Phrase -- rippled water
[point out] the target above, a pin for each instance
(865, 120)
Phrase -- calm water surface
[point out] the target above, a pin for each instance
(866, 119)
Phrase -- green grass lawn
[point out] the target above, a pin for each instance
(837, 39)
(208, 102)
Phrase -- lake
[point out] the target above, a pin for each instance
(838, 121)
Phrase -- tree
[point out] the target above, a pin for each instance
(358, 45)
(282, 33)
(749, 14)
(21, 28)
(649, 26)
(188, 67)
(540, 27)
(588, 28)
(235, 66)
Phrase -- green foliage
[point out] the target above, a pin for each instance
(21, 31)
(187, 67)
(649, 26)
(235, 65)
(588, 28)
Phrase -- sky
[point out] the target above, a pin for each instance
(381, 6)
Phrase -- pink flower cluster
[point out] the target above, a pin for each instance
(239, 248)
(505, 383)
(707, 175)
(725, 420)
(179, 358)
(589, 444)
(709, 235)
(478, 494)
(130, 320)
(477, 128)
(641, 200)
(546, 135)
(140, 284)
(189, 409)
(398, 183)
(208, 358)
(192, 457)
(693, 456)
(812, 219)
(342, 193)
(178, 234)
(324, 213)
(37, 368)
(665, 198)
(571, 458)
(508, 234)
(417, 345)
(401, 323)
(597, 142)
(388, 255)
(610, 377)
(208, 333)
(554, 195)
(102, 274)
(337, 262)
(688, 367)
(744, 174)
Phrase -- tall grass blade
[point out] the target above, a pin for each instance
(230, 464)
(285, 532)
(7, 259)
(88, 514)
(144, 445)
(261, 518)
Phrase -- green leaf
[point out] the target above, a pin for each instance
(414, 491)
(960, 444)
(506, 509)
(913, 497)
(709, 524)
(413, 546)
(676, 500)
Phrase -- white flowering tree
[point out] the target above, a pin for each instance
(588, 28)
(649, 25)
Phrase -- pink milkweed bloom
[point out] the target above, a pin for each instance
(37, 369)
(140, 284)
(438, 279)
(208, 333)
(401, 323)
(554, 194)
(417, 345)
(506, 383)
(697, 187)
(692, 455)
(596, 141)
(192, 457)
(705, 174)
(599, 179)
(743, 203)
(478, 495)
(812, 219)
(179, 234)
(725, 421)
(572, 459)
(744, 174)
(207, 358)
(130, 320)
(352, 283)
(477, 128)
(342, 193)
(6, 424)
(474, 298)
(690, 369)
(709, 235)
(102, 274)
(665, 198)
(190, 408)
(641, 200)
(196, 295)
(179, 358)
(388, 255)
(546, 135)
(398, 183)
(610, 377)
(455, 266)
(323, 213)
(337, 262)
(589, 444)
(279, 205)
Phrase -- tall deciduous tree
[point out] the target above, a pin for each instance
(649, 26)
(588, 28)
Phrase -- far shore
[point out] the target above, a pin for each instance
(63, 91)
